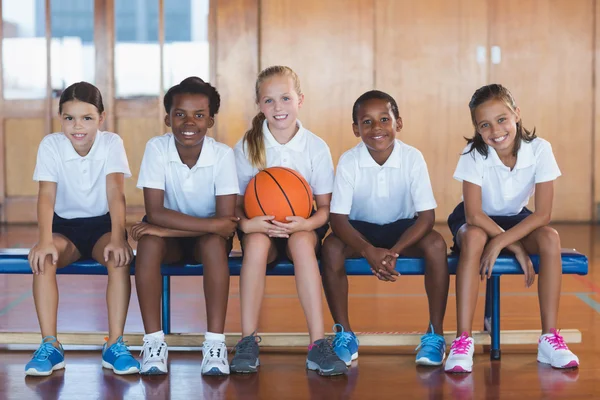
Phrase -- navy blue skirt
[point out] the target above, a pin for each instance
(458, 218)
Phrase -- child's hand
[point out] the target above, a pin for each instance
(296, 224)
(381, 263)
(142, 228)
(527, 267)
(225, 226)
(37, 256)
(122, 253)
(488, 259)
(262, 224)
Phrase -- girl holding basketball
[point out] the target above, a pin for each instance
(277, 138)
(501, 167)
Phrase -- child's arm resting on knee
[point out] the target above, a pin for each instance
(423, 225)
(118, 246)
(476, 217)
(315, 221)
(375, 256)
(45, 246)
(544, 194)
(225, 207)
(161, 216)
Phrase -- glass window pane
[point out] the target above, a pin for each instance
(24, 49)
(72, 53)
(137, 52)
(186, 51)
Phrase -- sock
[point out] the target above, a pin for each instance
(159, 336)
(214, 337)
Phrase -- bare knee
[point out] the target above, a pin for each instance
(210, 245)
(333, 250)
(434, 245)
(472, 238)
(255, 239)
(151, 251)
(548, 239)
(303, 238)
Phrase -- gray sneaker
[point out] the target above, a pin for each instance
(322, 358)
(245, 360)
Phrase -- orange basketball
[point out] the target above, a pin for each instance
(278, 191)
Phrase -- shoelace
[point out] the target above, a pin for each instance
(325, 350)
(556, 340)
(246, 345)
(217, 348)
(46, 348)
(430, 339)
(461, 345)
(44, 351)
(341, 339)
(151, 345)
(119, 348)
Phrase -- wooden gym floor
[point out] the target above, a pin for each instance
(380, 373)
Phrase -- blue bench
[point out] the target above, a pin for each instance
(14, 261)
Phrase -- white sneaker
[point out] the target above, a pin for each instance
(553, 350)
(214, 358)
(460, 358)
(155, 354)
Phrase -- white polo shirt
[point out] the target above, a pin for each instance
(382, 194)
(189, 191)
(80, 181)
(506, 192)
(306, 153)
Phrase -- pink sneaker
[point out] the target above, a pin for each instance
(460, 358)
(553, 350)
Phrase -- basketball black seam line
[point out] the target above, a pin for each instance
(307, 195)
(282, 191)
(257, 199)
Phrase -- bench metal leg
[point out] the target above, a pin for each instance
(495, 286)
(487, 318)
(166, 304)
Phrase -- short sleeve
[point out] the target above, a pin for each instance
(152, 170)
(546, 168)
(343, 187)
(226, 180)
(245, 170)
(420, 185)
(469, 167)
(46, 166)
(116, 160)
(322, 175)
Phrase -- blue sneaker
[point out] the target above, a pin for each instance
(433, 349)
(46, 358)
(345, 345)
(118, 358)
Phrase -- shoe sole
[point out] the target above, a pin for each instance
(457, 369)
(330, 372)
(154, 371)
(245, 369)
(427, 362)
(35, 372)
(570, 364)
(215, 371)
(131, 370)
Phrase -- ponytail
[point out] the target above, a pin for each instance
(255, 142)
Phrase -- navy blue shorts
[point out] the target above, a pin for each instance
(383, 236)
(458, 218)
(82, 232)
